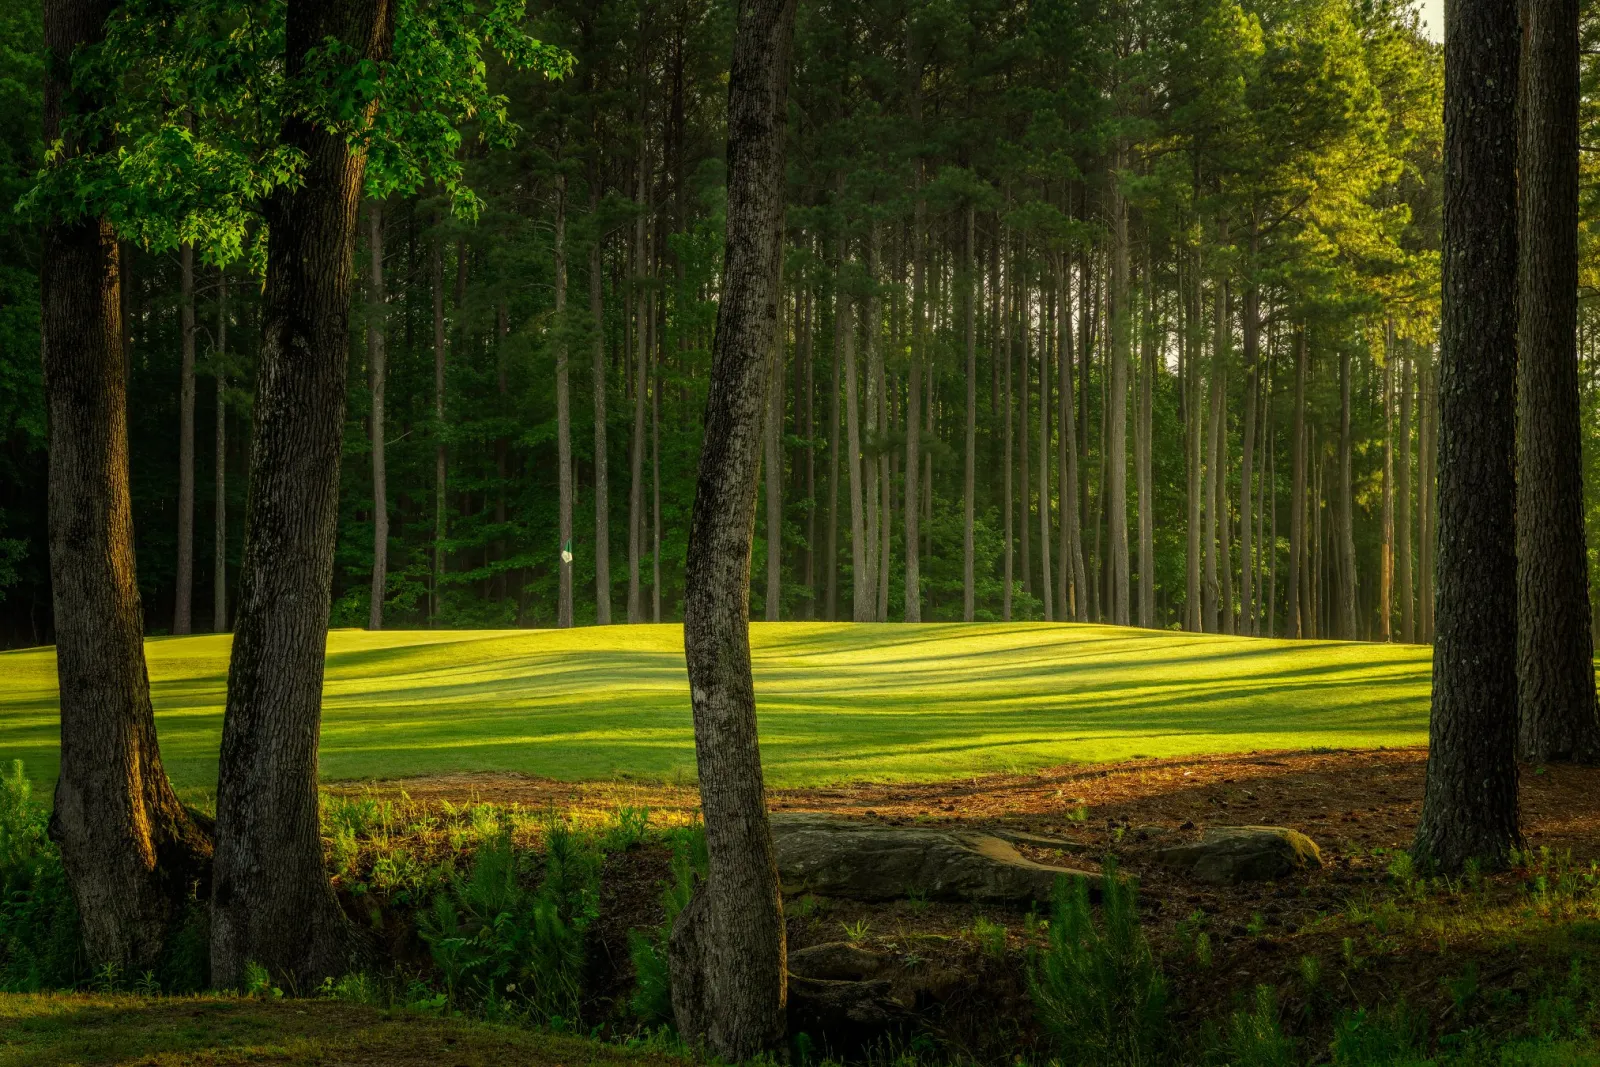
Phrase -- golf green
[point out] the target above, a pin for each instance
(837, 701)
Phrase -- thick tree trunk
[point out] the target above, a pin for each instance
(969, 602)
(183, 610)
(602, 497)
(1407, 584)
(130, 850)
(1116, 444)
(272, 902)
(727, 951)
(1469, 804)
(378, 376)
(1559, 719)
(1298, 616)
(563, 420)
(219, 562)
(1347, 510)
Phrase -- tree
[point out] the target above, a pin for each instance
(1559, 717)
(377, 373)
(130, 850)
(1469, 806)
(727, 947)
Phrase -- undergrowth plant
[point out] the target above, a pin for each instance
(652, 995)
(1097, 988)
(39, 945)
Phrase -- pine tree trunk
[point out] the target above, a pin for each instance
(1116, 444)
(864, 601)
(1020, 332)
(1346, 556)
(1298, 616)
(1144, 435)
(1047, 580)
(636, 450)
(436, 271)
(219, 537)
(1427, 493)
(876, 470)
(272, 903)
(1251, 313)
(832, 562)
(968, 549)
(378, 375)
(913, 490)
(655, 474)
(809, 356)
(182, 615)
(1408, 612)
(1559, 718)
(1071, 526)
(1213, 492)
(1195, 598)
(1009, 492)
(130, 851)
(1469, 805)
(774, 465)
(563, 419)
(727, 953)
(602, 496)
(1386, 549)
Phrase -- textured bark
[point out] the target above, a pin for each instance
(1404, 536)
(636, 451)
(130, 850)
(968, 485)
(1427, 494)
(876, 472)
(378, 380)
(440, 469)
(833, 478)
(1347, 509)
(1212, 494)
(1008, 492)
(1386, 547)
(727, 948)
(774, 466)
(219, 562)
(1046, 580)
(1144, 428)
(1194, 598)
(865, 592)
(1469, 805)
(810, 393)
(602, 498)
(1116, 445)
(1251, 314)
(564, 487)
(272, 902)
(1020, 333)
(1071, 527)
(1298, 615)
(1559, 719)
(183, 610)
(913, 482)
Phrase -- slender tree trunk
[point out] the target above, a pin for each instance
(809, 357)
(1193, 421)
(774, 464)
(1046, 580)
(377, 380)
(864, 602)
(1144, 436)
(636, 452)
(833, 466)
(182, 615)
(1251, 313)
(563, 419)
(1347, 511)
(1559, 719)
(1071, 526)
(1213, 492)
(1386, 549)
(219, 563)
(1010, 504)
(1021, 333)
(1427, 492)
(876, 473)
(913, 498)
(602, 498)
(727, 953)
(272, 903)
(1469, 805)
(1116, 445)
(1408, 616)
(130, 851)
(655, 477)
(969, 601)
(436, 270)
(1297, 614)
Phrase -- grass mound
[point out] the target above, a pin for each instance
(838, 701)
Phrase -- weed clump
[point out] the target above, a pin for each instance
(1097, 988)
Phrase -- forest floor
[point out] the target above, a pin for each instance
(839, 702)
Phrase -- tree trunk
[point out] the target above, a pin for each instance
(1213, 492)
(219, 564)
(655, 475)
(913, 495)
(774, 464)
(436, 268)
(804, 352)
(182, 615)
(1071, 526)
(636, 452)
(1009, 491)
(1469, 805)
(563, 419)
(130, 851)
(832, 562)
(602, 498)
(1195, 599)
(378, 374)
(1144, 435)
(1046, 579)
(1559, 719)
(1020, 332)
(272, 903)
(1346, 555)
(1408, 615)
(969, 600)
(1427, 492)
(727, 955)
(864, 601)
(1386, 548)
(1116, 444)
(1251, 313)
(876, 470)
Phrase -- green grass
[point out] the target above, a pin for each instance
(837, 701)
(57, 1030)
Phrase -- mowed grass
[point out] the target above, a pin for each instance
(837, 701)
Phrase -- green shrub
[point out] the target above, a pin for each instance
(1255, 1037)
(1383, 1037)
(505, 948)
(1098, 990)
(652, 995)
(39, 944)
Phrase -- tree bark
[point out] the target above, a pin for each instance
(1144, 436)
(219, 563)
(913, 482)
(1386, 548)
(774, 464)
(602, 497)
(436, 267)
(879, 515)
(183, 611)
(833, 469)
(726, 953)
(969, 601)
(378, 374)
(1021, 333)
(636, 453)
(1071, 526)
(1213, 494)
(130, 851)
(1046, 579)
(1116, 445)
(1008, 493)
(1405, 536)
(1298, 616)
(272, 902)
(1194, 597)
(1347, 510)
(1559, 718)
(1469, 805)
(864, 600)
(1251, 314)
(563, 419)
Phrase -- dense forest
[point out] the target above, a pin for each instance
(1093, 311)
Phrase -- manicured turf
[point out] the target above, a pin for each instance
(837, 701)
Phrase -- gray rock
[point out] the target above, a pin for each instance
(836, 961)
(844, 1017)
(1227, 855)
(836, 857)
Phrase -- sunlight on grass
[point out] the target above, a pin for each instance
(837, 701)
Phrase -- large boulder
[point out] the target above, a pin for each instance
(1227, 855)
(837, 857)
